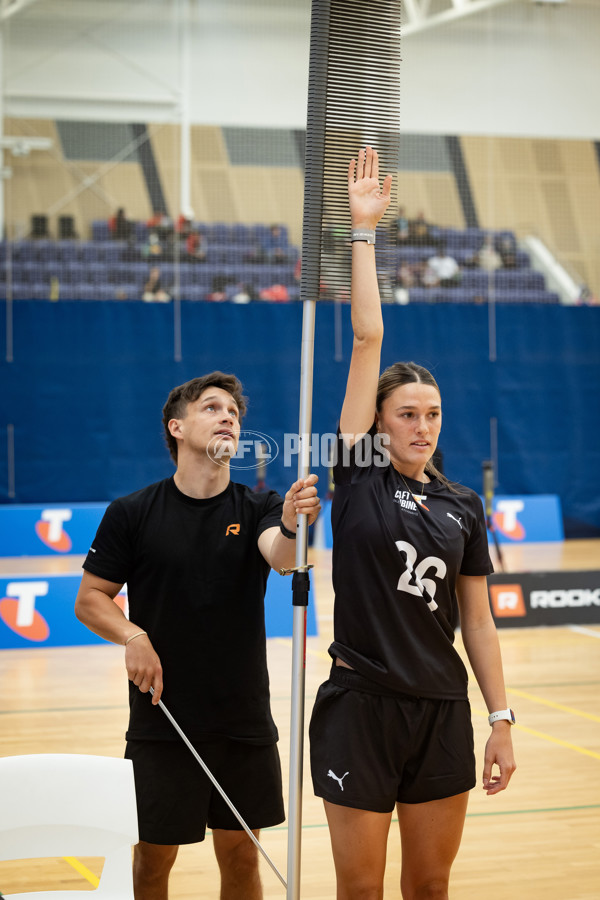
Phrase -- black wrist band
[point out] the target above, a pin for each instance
(286, 532)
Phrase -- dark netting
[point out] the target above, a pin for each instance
(353, 100)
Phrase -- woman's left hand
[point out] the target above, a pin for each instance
(499, 752)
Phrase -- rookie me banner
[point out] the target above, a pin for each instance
(38, 611)
(523, 599)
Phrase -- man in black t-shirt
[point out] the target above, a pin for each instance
(195, 551)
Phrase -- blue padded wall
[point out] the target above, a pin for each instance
(86, 386)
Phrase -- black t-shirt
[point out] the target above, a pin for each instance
(196, 582)
(395, 566)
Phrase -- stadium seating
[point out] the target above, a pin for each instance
(111, 269)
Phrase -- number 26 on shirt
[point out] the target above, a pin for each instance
(419, 570)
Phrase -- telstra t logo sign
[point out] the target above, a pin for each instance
(50, 529)
(18, 612)
(505, 518)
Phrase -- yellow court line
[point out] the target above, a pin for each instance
(568, 709)
(83, 870)
(547, 737)
(553, 740)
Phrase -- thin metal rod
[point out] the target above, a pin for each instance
(493, 356)
(299, 618)
(337, 311)
(219, 788)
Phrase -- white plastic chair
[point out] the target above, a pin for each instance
(54, 805)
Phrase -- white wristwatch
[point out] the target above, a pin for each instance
(507, 714)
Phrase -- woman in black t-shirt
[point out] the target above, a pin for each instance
(391, 728)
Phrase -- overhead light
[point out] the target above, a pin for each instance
(22, 146)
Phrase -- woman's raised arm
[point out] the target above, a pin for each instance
(368, 203)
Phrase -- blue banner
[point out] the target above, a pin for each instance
(527, 519)
(55, 529)
(38, 611)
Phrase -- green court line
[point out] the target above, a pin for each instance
(83, 870)
(500, 812)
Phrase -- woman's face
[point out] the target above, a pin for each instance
(412, 417)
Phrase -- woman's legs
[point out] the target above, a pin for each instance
(430, 834)
(359, 844)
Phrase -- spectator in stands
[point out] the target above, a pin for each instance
(506, 245)
(399, 231)
(442, 270)
(119, 226)
(419, 232)
(275, 245)
(272, 248)
(407, 275)
(241, 293)
(219, 288)
(276, 293)
(152, 248)
(184, 226)
(195, 247)
(487, 257)
(256, 256)
(162, 225)
(153, 289)
(587, 297)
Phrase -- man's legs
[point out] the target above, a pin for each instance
(152, 864)
(237, 857)
(431, 834)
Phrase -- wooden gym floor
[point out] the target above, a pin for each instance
(540, 839)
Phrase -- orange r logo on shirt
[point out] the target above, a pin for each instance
(232, 529)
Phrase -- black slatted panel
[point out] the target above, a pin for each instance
(353, 100)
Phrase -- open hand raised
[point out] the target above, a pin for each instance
(368, 202)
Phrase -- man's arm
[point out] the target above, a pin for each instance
(95, 607)
(301, 499)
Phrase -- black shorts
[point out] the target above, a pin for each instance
(176, 800)
(370, 750)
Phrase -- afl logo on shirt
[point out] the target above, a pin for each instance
(405, 500)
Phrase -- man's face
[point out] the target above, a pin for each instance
(211, 424)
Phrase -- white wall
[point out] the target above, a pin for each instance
(518, 69)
